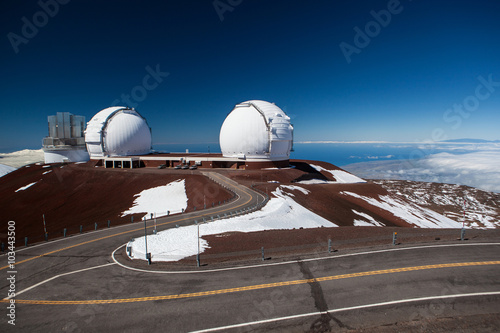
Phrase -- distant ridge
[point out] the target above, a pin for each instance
(472, 141)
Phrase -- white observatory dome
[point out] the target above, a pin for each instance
(118, 131)
(257, 130)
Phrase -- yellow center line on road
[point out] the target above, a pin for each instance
(255, 287)
(127, 232)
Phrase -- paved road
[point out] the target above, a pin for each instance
(78, 287)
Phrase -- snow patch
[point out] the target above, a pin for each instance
(46, 172)
(371, 221)
(409, 212)
(279, 213)
(298, 188)
(316, 181)
(341, 176)
(25, 187)
(478, 206)
(159, 200)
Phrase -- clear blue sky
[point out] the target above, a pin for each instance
(397, 88)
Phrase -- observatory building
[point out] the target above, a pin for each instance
(257, 131)
(118, 131)
(65, 142)
(254, 135)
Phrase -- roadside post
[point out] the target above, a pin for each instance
(198, 240)
(45, 228)
(148, 255)
(394, 238)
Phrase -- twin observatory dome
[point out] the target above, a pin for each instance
(254, 131)
(118, 131)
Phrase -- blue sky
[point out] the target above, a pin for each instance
(401, 86)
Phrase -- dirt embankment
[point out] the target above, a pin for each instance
(80, 194)
(326, 199)
(237, 248)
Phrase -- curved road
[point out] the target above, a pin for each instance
(74, 285)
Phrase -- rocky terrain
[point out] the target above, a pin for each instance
(482, 209)
(70, 195)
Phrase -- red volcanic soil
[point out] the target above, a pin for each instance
(325, 200)
(80, 194)
(238, 248)
(235, 246)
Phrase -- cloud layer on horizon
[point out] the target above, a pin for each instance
(477, 169)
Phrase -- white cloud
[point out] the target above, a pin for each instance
(477, 169)
(5, 169)
(23, 157)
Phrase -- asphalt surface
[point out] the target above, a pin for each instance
(73, 285)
